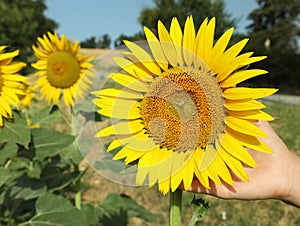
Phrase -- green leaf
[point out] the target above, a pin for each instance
(34, 170)
(7, 151)
(15, 131)
(133, 209)
(113, 216)
(49, 142)
(91, 213)
(4, 175)
(55, 210)
(200, 208)
(106, 163)
(27, 188)
(45, 116)
(72, 153)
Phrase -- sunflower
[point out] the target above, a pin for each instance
(62, 70)
(27, 98)
(179, 113)
(11, 84)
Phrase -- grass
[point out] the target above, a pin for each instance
(249, 213)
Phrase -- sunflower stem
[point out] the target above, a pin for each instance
(175, 207)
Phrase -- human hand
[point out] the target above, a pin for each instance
(277, 175)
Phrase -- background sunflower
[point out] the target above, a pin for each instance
(62, 71)
(11, 84)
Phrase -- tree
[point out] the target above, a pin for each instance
(103, 42)
(275, 24)
(21, 22)
(164, 10)
(274, 32)
(89, 43)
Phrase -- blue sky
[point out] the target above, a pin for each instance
(83, 19)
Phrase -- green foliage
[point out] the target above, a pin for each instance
(200, 208)
(164, 10)
(274, 32)
(40, 177)
(276, 22)
(21, 22)
(103, 42)
(56, 210)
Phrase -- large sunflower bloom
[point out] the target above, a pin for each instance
(11, 84)
(181, 116)
(62, 70)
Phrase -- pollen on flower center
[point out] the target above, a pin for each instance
(184, 109)
(63, 70)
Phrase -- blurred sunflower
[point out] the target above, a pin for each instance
(181, 116)
(62, 70)
(27, 98)
(11, 84)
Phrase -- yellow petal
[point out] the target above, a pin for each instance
(68, 97)
(12, 67)
(224, 72)
(167, 44)
(220, 167)
(245, 93)
(219, 47)
(176, 36)
(234, 164)
(43, 44)
(244, 126)
(134, 67)
(241, 76)
(188, 170)
(209, 39)
(249, 141)
(243, 105)
(142, 144)
(203, 174)
(200, 40)
(118, 108)
(228, 56)
(9, 56)
(2, 48)
(144, 166)
(188, 41)
(129, 154)
(156, 49)
(5, 106)
(122, 141)
(143, 57)
(118, 93)
(127, 127)
(237, 150)
(129, 82)
(176, 172)
(208, 157)
(251, 115)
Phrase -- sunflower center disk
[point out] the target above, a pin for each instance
(184, 109)
(63, 69)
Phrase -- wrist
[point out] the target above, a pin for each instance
(292, 192)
